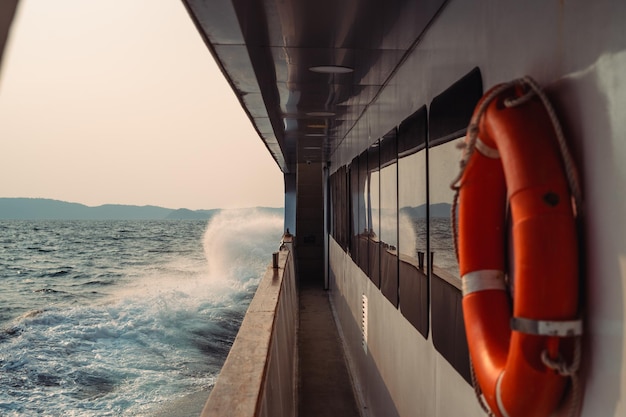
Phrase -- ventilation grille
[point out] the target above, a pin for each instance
(364, 322)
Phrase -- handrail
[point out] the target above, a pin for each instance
(258, 377)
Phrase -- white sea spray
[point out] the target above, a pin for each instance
(116, 318)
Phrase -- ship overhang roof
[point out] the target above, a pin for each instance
(305, 72)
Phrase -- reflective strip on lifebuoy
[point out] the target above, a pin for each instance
(561, 328)
(490, 279)
(517, 159)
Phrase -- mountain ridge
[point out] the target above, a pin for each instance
(437, 210)
(51, 209)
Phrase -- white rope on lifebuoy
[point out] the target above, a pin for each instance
(559, 365)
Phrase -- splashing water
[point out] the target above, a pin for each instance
(143, 312)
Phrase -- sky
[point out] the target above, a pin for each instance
(121, 102)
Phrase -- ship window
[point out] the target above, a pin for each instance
(389, 216)
(443, 167)
(333, 206)
(332, 195)
(449, 115)
(412, 219)
(372, 203)
(338, 190)
(451, 111)
(354, 209)
(447, 315)
(363, 225)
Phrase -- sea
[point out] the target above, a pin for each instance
(122, 318)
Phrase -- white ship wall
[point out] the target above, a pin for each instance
(577, 50)
(400, 373)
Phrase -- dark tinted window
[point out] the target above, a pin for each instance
(389, 216)
(412, 220)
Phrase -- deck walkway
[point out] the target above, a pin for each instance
(324, 385)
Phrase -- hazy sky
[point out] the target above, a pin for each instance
(120, 101)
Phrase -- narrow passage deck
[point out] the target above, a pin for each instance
(324, 385)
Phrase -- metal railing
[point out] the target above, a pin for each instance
(259, 375)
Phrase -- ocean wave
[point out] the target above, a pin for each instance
(161, 331)
(58, 273)
(49, 291)
(98, 283)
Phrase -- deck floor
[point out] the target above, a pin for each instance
(324, 385)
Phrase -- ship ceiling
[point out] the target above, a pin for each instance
(305, 71)
(7, 12)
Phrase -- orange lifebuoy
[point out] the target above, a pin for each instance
(517, 159)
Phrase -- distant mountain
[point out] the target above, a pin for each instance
(436, 210)
(186, 214)
(47, 209)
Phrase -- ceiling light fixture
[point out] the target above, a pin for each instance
(320, 114)
(331, 69)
